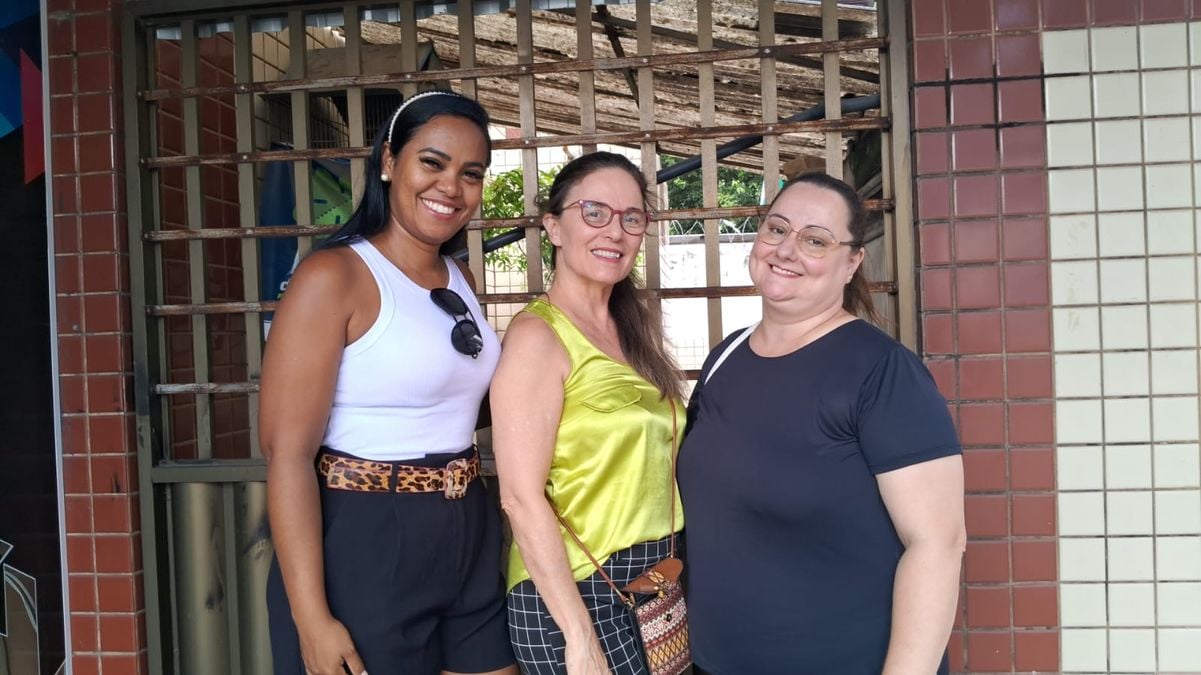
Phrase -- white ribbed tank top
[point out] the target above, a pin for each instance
(403, 392)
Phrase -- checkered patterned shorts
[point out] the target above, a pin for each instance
(539, 644)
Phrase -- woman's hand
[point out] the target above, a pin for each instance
(325, 646)
(585, 657)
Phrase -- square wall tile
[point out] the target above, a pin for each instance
(1076, 328)
(1123, 280)
(1112, 95)
(1162, 138)
(1022, 100)
(1127, 467)
(1173, 325)
(1071, 190)
(1128, 513)
(1083, 514)
(1163, 45)
(1131, 650)
(1171, 279)
(1019, 55)
(972, 104)
(1179, 603)
(1119, 142)
(1074, 283)
(1069, 144)
(1178, 512)
(1073, 236)
(1127, 420)
(1194, 42)
(1131, 559)
(1083, 559)
(1170, 232)
(1126, 373)
(1083, 649)
(1114, 49)
(1180, 650)
(1124, 327)
(1082, 605)
(1132, 605)
(1178, 558)
(1077, 375)
(1023, 147)
(1078, 422)
(1177, 465)
(1068, 98)
(1065, 51)
(1169, 186)
(1165, 92)
(1119, 188)
(1175, 418)
(1174, 371)
(1079, 468)
(1120, 234)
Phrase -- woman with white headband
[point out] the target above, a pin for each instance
(387, 555)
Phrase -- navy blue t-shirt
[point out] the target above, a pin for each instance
(791, 553)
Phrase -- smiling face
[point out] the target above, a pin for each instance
(789, 279)
(437, 178)
(601, 254)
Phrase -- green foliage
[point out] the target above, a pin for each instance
(505, 198)
(735, 187)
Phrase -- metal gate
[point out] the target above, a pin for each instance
(229, 103)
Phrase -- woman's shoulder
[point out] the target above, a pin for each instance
(327, 270)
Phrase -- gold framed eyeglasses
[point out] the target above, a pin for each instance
(814, 241)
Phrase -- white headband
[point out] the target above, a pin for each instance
(424, 94)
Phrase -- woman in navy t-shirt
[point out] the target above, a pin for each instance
(821, 473)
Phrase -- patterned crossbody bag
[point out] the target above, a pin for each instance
(655, 598)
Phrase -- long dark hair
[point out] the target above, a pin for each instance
(372, 214)
(856, 295)
(639, 330)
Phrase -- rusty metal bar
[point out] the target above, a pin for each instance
(247, 203)
(301, 168)
(295, 84)
(530, 142)
(770, 111)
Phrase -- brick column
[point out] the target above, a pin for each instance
(91, 266)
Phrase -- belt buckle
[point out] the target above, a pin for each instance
(454, 479)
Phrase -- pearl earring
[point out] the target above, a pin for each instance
(385, 178)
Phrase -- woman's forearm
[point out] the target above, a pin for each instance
(925, 595)
(294, 509)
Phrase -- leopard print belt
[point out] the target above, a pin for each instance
(362, 475)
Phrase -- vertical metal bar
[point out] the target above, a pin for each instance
(584, 52)
(897, 160)
(704, 42)
(229, 562)
(202, 595)
(770, 112)
(649, 154)
(247, 201)
(408, 45)
(301, 169)
(254, 554)
(833, 87)
(353, 34)
(475, 238)
(135, 65)
(529, 156)
(194, 218)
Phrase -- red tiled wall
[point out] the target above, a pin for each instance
(91, 267)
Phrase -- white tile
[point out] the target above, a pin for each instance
(1075, 236)
(1174, 371)
(1071, 190)
(1120, 234)
(1074, 283)
(1070, 144)
(1196, 127)
(1127, 466)
(1131, 559)
(1164, 138)
(1079, 468)
(1078, 421)
(1077, 375)
(1082, 605)
(1129, 513)
(1119, 142)
(1194, 39)
(1083, 649)
(1124, 327)
(1169, 186)
(1131, 650)
(1177, 465)
(1119, 188)
(1163, 45)
(1083, 514)
(1179, 603)
(1171, 279)
(1115, 95)
(1082, 559)
(1178, 512)
(1175, 418)
(1114, 48)
(1170, 232)
(1166, 92)
(1173, 325)
(1195, 80)
(1180, 650)
(1065, 51)
(1069, 98)
(1126, 373)
(1132, 604)
(1127, 420)
(1124, 280)
(1177, 558)
(1076, 328)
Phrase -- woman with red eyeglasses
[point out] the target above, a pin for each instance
(378, 359)
(583, 411)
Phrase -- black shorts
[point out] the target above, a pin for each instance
(415, 578)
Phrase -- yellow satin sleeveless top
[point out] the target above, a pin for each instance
(612, 460)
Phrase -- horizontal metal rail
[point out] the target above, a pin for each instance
(618, 63)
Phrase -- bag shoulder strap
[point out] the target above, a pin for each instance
(729, 350)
